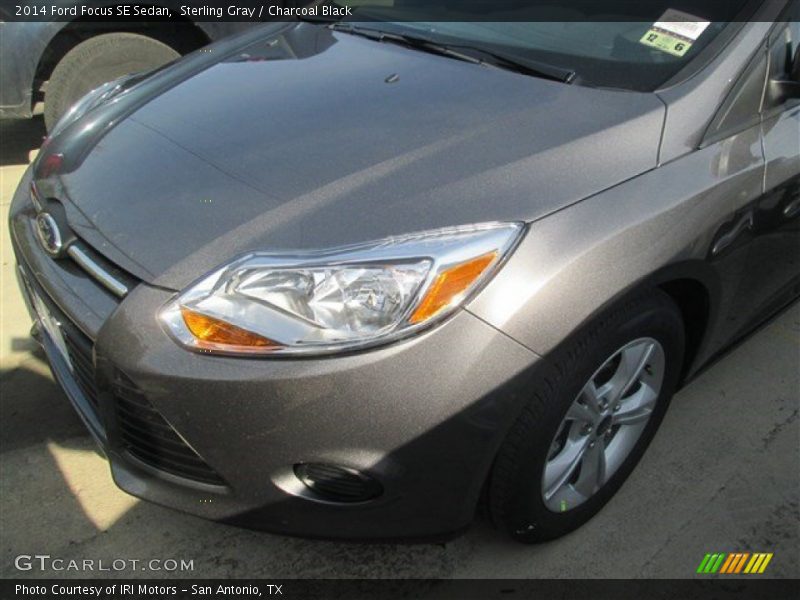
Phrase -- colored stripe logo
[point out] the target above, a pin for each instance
(735, 563)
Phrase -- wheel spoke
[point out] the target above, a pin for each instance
(558, 470)
(637, 408)
(633, 361)
(593, 469)
(581, 413)
(591, 396)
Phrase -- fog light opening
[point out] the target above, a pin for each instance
(334, 483)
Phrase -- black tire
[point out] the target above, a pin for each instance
(515, 484)
(96, 61)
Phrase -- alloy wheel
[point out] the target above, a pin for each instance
(603, 424)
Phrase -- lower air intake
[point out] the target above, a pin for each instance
(147, 436)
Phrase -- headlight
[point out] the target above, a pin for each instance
(342, 299)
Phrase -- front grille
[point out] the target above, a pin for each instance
(147, 436)
(75, 371)
(79, 348)
(109, 276)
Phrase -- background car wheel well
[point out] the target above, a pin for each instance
(180, 33)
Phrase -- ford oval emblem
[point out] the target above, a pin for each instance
(48, 233)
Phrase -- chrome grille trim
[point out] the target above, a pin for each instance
(102, 276)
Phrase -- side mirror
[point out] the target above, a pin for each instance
(787, 86)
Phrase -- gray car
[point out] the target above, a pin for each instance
(357, 279)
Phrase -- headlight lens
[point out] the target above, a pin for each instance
(342, 299)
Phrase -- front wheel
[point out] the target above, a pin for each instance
(590, 420)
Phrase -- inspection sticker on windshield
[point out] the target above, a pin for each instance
(675, 32)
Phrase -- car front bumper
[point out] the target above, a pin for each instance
(423, 417)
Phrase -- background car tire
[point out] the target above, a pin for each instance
(96, 61)
(516, 501)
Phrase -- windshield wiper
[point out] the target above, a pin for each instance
(466, 53)
(525, 66)
(409, 41)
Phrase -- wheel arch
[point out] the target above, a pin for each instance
(695, 289)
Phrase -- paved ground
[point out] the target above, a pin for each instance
(722, 475)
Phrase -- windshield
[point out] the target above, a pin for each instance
(618, 44)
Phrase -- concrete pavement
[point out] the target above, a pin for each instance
(722, 475)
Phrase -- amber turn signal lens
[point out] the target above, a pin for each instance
(449, 286)
(211, 330)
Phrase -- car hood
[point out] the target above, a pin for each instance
(304, 138)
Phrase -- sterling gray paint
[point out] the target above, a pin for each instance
(468, 143)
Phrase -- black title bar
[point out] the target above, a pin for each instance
(394, 10)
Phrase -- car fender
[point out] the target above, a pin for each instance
(654, 227)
